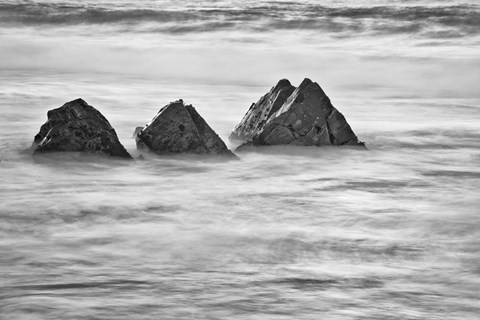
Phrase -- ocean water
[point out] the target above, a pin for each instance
(282, 233)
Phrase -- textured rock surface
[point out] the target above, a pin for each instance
(77, 126)
(258, 114)
(178, 128)
(305, 117)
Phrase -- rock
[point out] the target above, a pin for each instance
(77, 126)
(137, 131)
(258, 114)
(296, 116)
(178, 128)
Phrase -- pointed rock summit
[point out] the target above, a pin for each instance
(296, 116)
(258, 114)
(77, 126)
(178, 128)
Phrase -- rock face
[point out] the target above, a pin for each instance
(256, 117)
(178, 128)
(137, 131)
(77, 126)
(296, 116)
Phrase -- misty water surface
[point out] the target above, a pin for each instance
(282, 233)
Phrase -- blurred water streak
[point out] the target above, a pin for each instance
(288, 232)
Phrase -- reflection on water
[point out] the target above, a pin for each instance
(282, 233)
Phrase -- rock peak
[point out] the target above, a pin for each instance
(282, 83)
(174, 104)
(178, 128)
(78, 101)
(305, 83)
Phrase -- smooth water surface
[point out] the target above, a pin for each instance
(282, 233)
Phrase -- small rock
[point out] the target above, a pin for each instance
(77, 126)
(178, 128)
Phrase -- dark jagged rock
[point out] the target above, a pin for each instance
(77, 126)
(258, 114)
(178, 128)
(305, 117)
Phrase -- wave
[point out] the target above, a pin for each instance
(432, 21)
